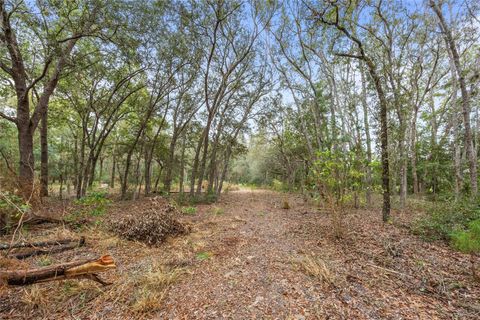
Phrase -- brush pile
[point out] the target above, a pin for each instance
(151, 226)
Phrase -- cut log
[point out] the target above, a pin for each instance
(77, 269)
(55, 249)
(5, 246)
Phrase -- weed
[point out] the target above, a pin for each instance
(189, 210)
(204, 255)
(34, 297)
(217, 211)
(317, 268)
(44, 261)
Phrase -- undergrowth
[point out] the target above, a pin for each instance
(184, 199)
(89, 207)
(442, 219)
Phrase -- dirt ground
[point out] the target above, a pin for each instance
(248, 258)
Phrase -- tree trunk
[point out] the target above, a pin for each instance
(182, 167)
(195, 167)
(368, 169)
(112, 176)
(44, 156)
(457, 152)
(384, 141)
(471, 154)
(167, 183)
(403, 166)
(203, 164)
(26, 164)
(413, 148)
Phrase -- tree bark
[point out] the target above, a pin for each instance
(75, 269)
(44, 156)
(167, 182)
(368, 169)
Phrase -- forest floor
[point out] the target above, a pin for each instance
(248, 258)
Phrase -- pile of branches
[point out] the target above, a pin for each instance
(152, 226)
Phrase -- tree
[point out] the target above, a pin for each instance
(466, 109)
(21, 31)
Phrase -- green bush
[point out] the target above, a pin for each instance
(95, 203)
(444, 218)
(189, 210)
(278, 185)
(92, 205)
(468, 240)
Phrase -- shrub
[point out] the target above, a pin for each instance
(444, 218)
(468, 241)
(189, 210)
(278, 185)
(96, 203)
(91, 206)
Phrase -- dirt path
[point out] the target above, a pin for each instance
(255, 271)
(250, 273)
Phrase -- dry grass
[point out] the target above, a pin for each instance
(34, 297)
(152, 286)
(317, 268)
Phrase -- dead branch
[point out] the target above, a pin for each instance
(55, 249)
(5, 246)
(86, 269)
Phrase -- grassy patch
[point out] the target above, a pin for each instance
(152, 286)
(189, 210)
(205, 255)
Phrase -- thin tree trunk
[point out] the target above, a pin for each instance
(413, 148)
(167, 183)
(452, 46)
(112, 177)
(182, 167)
(203, 163)
(368, 169)
(44, 156)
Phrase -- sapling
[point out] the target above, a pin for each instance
(468, 241)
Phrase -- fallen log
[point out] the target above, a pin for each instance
(77, 269)
(5, 246)
(55, 249)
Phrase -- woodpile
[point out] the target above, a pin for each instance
(152, 226)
